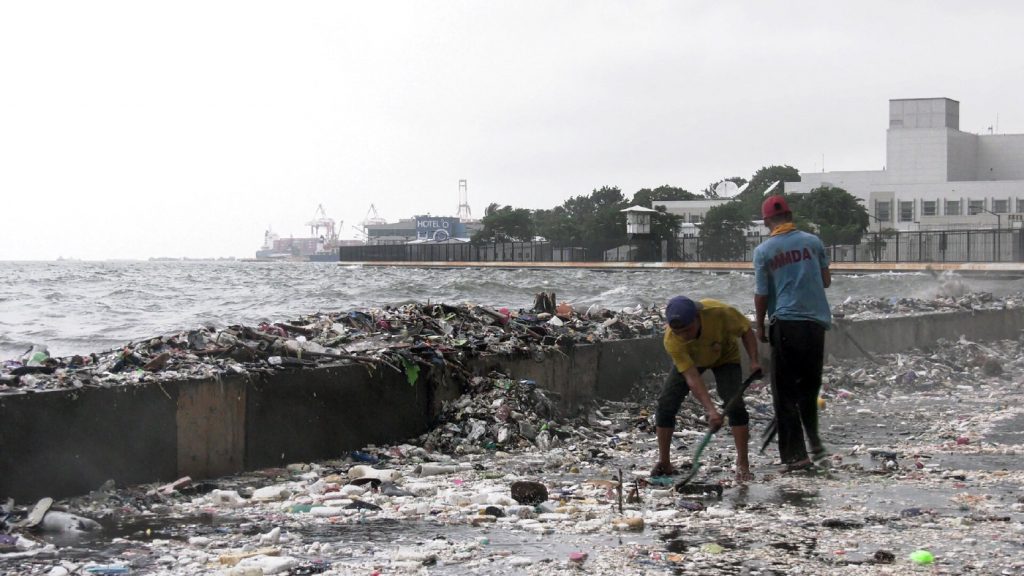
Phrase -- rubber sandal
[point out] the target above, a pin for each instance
(35, 516)
(801, 466)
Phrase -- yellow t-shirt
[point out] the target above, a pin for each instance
(721, 326)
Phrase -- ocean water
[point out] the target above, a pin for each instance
(82, 307)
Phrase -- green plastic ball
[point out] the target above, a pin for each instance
(922, 557)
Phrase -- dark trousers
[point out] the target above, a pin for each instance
(798, 349)
(728, 381)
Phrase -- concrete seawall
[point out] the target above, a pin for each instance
(63, 443)
(886, 335)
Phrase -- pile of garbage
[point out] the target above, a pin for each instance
(925, 474)
(401, 338)
(867, 308)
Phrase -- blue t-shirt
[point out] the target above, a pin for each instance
(787, 269)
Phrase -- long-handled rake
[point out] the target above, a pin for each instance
(769, 433)
(757, 375)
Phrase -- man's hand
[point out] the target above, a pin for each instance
(715, 420)
(762, 334)
(759, 383)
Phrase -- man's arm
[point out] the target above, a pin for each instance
(762, 288)
(760, 309)
(700, 392)
(750, 344)
(826, 276)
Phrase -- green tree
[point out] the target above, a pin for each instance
(608, 227)
(505, 224)
(556, 226)
(723, 232)
(837, 216)
(646, 197)
(764, 178)
(596, 219)
(761, 181)
(665, 226)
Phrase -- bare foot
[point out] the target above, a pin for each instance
(663, 470)
(744, 476)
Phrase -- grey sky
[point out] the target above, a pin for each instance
(137, 129)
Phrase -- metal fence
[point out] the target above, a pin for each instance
(1005, 245)
(904, 246)
(935, 246)
(462, 252)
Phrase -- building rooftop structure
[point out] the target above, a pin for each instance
(936, 176)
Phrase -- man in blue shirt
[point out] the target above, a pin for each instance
(790, 275)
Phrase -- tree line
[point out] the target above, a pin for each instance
(596, 220)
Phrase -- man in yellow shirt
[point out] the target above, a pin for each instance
(700, 336)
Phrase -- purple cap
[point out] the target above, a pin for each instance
(681, 311)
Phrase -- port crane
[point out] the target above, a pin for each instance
(320, 222)
(372, 217)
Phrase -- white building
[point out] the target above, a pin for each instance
(693, 213)
(936, 176)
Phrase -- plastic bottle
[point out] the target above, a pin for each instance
(364, 457)
(108, 569)
(227, 498)
(363, 471)
(434, 469)
(35, 356)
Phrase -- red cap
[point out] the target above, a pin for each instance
(773, 206)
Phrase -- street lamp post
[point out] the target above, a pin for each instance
(876, 219)
(920, 241)
(878, 236)
(999, 218)
(999, 226)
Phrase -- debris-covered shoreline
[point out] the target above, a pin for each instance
(873, 308)
(925, 471)
(400, 338)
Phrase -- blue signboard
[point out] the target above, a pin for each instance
(438, 228)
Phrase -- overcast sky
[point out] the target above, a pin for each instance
(136, 129)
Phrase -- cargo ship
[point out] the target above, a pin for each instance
(320, 246)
